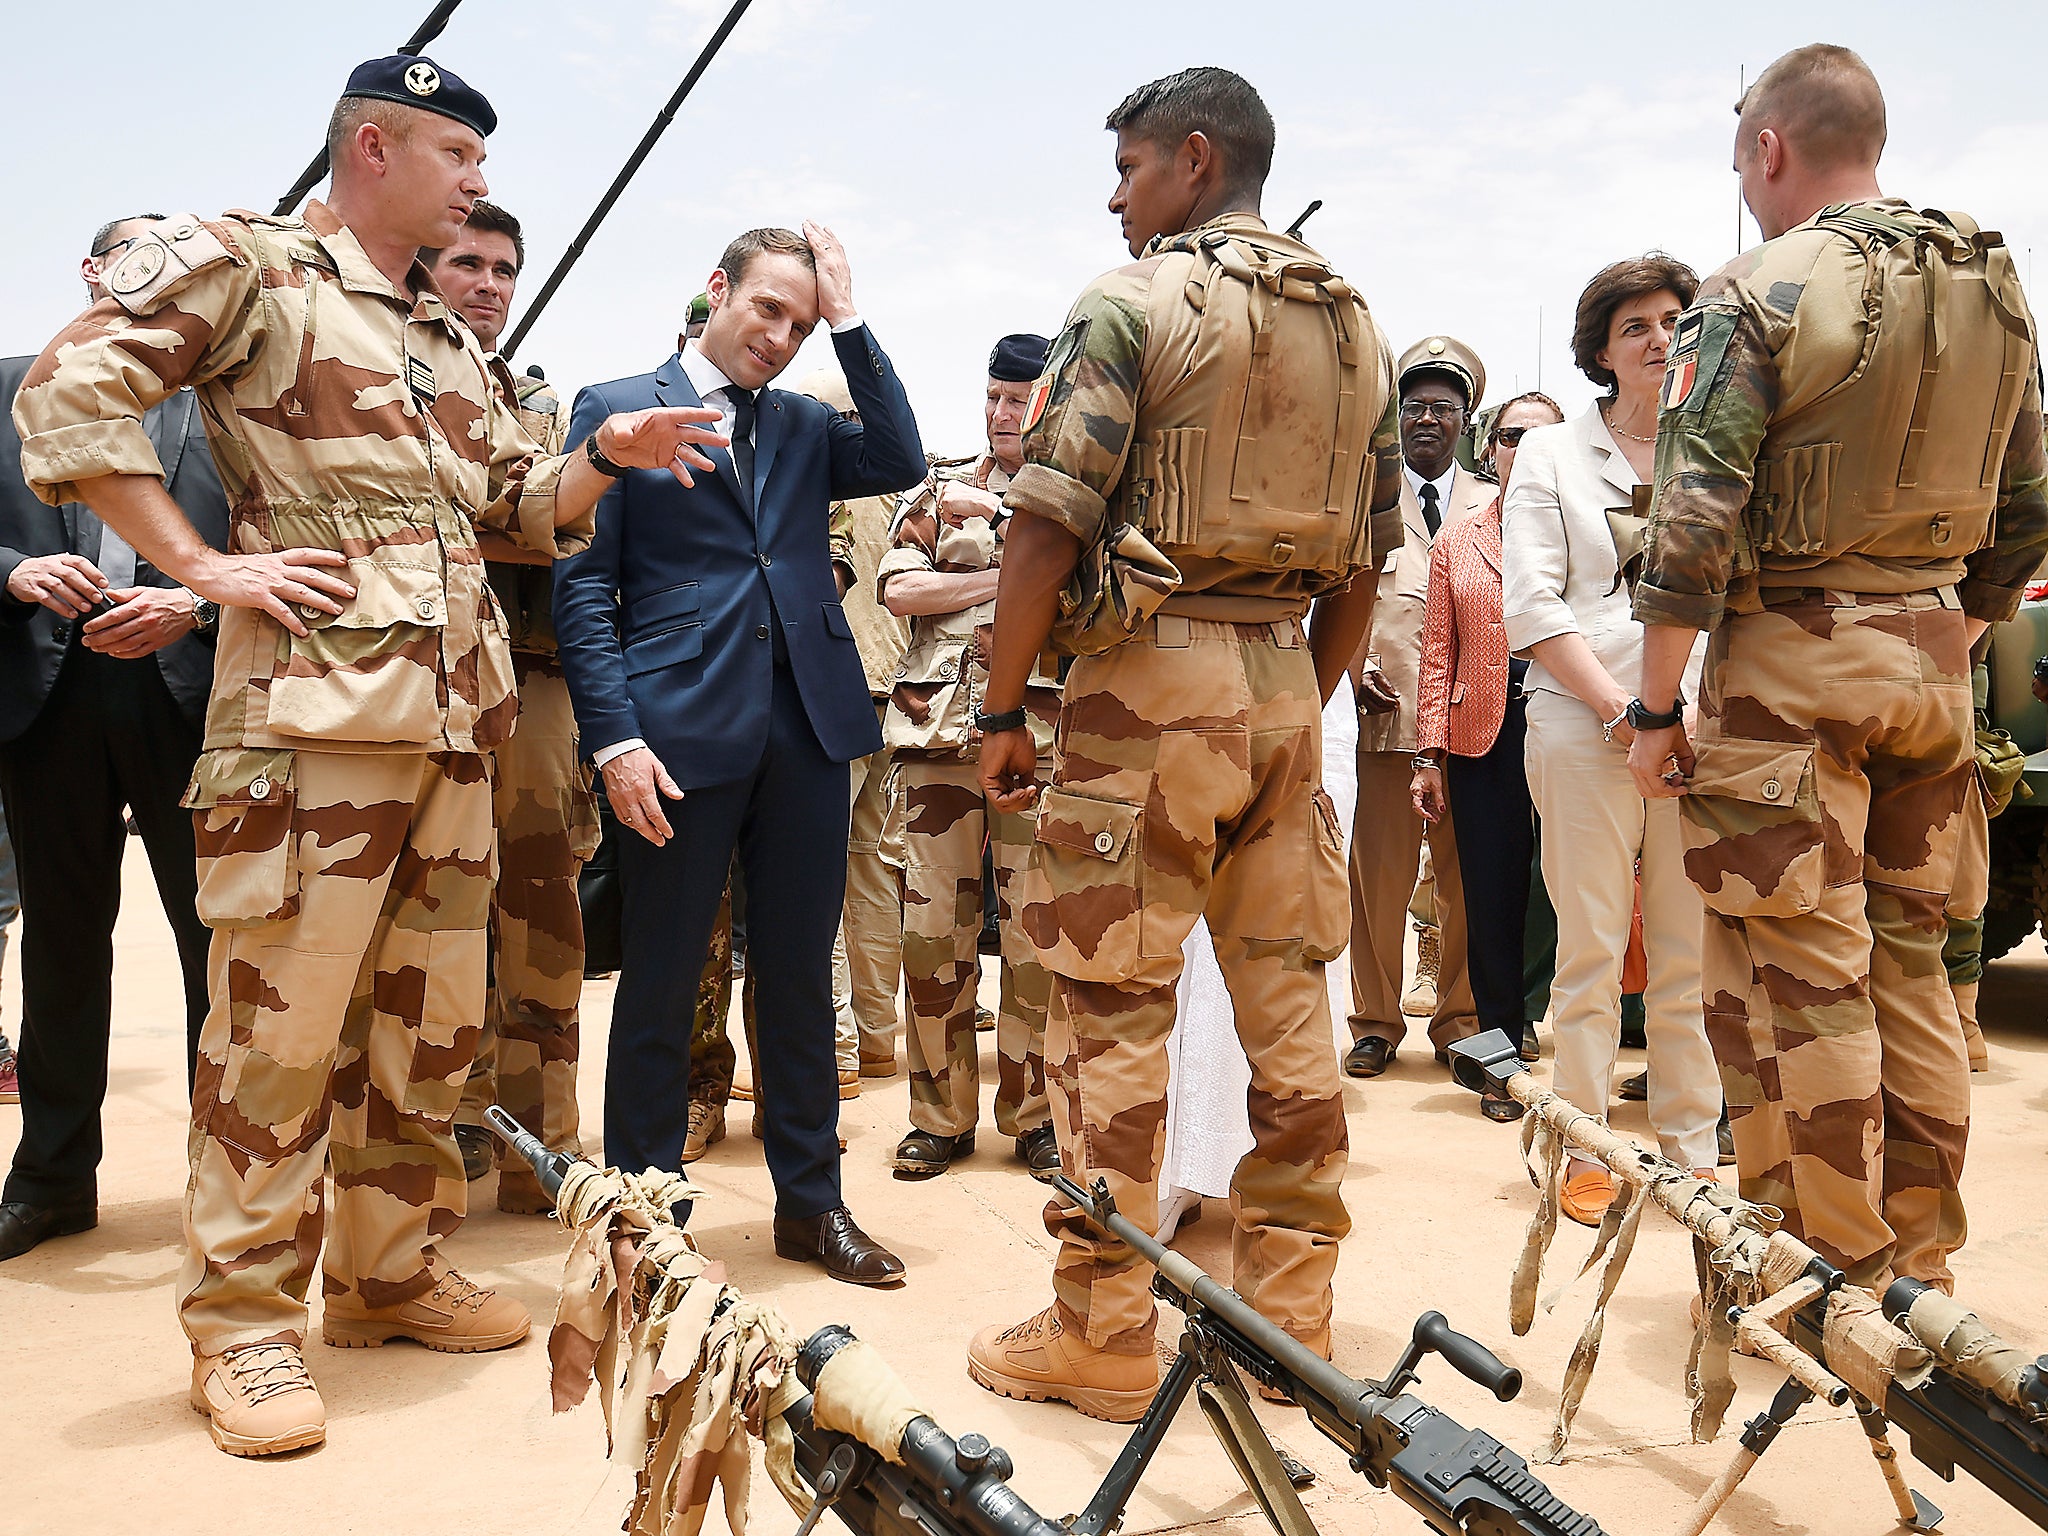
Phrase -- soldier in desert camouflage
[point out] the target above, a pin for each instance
(1213, 445)
(342, 795)
(941, 575)
(546, 813)
(1849, 489)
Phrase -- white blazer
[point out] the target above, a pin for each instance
(1558, 564)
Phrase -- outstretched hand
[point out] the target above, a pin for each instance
(667, 437)
(835, 277)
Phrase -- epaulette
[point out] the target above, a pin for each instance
(162, 259)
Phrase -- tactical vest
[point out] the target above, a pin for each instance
(1253, 437)
(1901, 459)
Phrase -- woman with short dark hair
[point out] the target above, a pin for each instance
(1571, 526)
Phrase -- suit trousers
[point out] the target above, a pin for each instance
(109, 735)
(872, 931)
(788, 821)
(1495, 828)
(1386, 850)
(1596, 829)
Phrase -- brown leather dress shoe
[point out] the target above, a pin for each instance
(835, 1240)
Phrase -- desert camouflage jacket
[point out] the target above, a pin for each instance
(343, 414)
(944, 675)
(527, 592)
(1764, 339)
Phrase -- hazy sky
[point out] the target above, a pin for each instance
(1477, 162)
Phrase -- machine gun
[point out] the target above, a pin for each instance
(1461, 1482)
(858, 1439)
(1964, 1397)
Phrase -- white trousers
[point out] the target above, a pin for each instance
(1595, 829)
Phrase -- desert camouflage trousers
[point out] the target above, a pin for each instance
(547, 830)
(349, 896)
(1822, 825)
(943, 818)
(1190, 783)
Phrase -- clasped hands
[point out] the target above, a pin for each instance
(140, 622)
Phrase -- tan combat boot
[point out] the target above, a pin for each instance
(1419, 1001)
(1041, 1359)
(707, 1128)
(520, 1194)
(455, 1317)
(258, 1399)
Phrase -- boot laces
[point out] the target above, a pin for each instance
(700, 1115)
(1032, 1327)
(459, 1292)
(263, 1371)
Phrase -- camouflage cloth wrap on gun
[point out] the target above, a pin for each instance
(343, 804)
(944, 820)
(1834, 747)
(348, 895)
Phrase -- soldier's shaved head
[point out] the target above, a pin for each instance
(1215, 103)
(1824, 102)
(351, 112)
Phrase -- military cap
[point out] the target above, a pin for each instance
(700, 310)
(1018, 359)
(1450, 357)
(420, 82)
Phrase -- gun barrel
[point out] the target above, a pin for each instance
(549, 1167)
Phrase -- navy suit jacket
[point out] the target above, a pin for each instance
(664, 621)
(33, 640)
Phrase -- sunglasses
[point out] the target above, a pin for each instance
(1509, 436)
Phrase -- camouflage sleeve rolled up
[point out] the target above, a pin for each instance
(1078, 424)
(1998, 575)
(1721, 386)
(521, 484)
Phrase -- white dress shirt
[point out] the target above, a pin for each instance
(717, 391)
(1442, 483)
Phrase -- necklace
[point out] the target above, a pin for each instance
(1613, 426)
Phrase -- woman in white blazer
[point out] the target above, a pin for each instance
(1570, 523)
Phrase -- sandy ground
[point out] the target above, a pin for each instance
(98, 1436)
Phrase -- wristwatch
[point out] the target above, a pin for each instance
(598, 461)
(1008, 720)
(205, 613)
(1642, 719)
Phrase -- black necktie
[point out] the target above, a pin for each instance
(743, 440)
(1430, 514)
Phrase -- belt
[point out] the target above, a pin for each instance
(1174, 631)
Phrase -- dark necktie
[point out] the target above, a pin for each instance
(1430, 514)
(743, 440)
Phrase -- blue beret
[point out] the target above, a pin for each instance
(1018, 359)
(420, 82)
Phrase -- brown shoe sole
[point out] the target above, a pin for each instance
(849, 1085)
(1116, 1407)
(359, 1333)
(243, 1445)
(878, 1066)
(524, 1202)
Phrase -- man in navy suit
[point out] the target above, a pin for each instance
(718, 689)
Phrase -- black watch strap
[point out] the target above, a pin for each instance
(1641, 719)
(1008, 720)
(598, 461)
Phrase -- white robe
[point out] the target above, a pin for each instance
(1208, 1114)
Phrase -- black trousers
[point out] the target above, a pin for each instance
(109, 735)
(1495, 825)
(788, 820)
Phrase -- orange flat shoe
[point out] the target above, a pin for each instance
(1586, 1196)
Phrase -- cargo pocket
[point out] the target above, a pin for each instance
(1091, 854)
(450, 1023)
(373, 671)
(242, 803)
(1750, 823)
(1326, 923)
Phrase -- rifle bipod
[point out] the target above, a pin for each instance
(1269, 1473)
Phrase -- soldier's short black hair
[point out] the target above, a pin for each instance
(1215, 103)
(760, 242)
(106, 230)
(1620, 283)
(489, 219)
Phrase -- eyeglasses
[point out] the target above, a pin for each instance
(1508, 437)
(1438, 410)
(119, 245)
